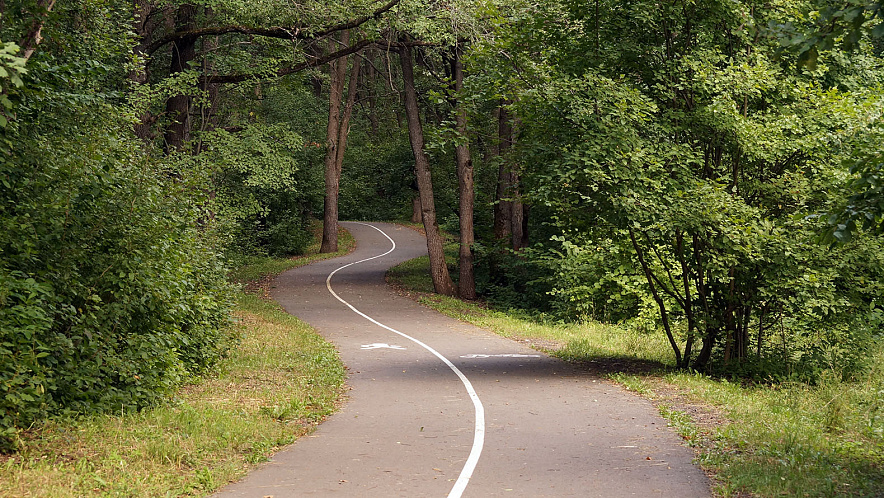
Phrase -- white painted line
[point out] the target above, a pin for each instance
(506, 355)
(479, 432)
(380, 345)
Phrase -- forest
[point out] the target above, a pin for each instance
(710, 171)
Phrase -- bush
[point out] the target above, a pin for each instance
(110, 294)
(288, 236)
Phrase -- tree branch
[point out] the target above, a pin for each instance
(35, 34)
(239, 78)
(286, 33)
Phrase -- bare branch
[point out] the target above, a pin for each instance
(286, 33)
(238, 78)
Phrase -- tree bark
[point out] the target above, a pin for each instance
(371, 93)
(416, 209)
(439, 270)
(177, 131)
(518, 213)
(352, 91)
(520, 210)
(144, 25)
(503, 208)
(337, 76)
(34, 36)
(208, 110)
(286, 33)
(467, 280)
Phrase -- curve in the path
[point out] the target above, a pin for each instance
(479, 432)
(551, 429)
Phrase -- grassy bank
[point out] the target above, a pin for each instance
(757, 440)
(274, 387)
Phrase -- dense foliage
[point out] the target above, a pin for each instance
(111, 288)
(668, 165)
(688, 171)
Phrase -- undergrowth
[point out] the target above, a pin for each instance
(275, 386)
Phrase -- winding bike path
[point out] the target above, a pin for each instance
(441, 408)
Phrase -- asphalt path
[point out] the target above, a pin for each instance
(441, 408)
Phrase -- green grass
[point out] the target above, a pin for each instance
(794, 439)
(251, 268)
(274, 387)
(757, 440)
(586, 341)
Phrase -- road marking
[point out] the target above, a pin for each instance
(381, 345)
(479, 432)
(506, 355)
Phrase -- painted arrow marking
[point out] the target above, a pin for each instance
(381, 345)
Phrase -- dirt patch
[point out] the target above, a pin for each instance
(705, 418)
(628, 366)
(417, 227)
(260, 287)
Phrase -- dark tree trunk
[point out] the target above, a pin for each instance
(664, 315)
(337, 76)
(441, 279)
(518, 215)
(503, 208)
(520, 210)
(352, 90)
(178, 107)
(370, 81)
(467, 281)
(416, 208)
(208, 111)
(702, 359)
(144, 26)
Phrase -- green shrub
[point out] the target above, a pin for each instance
(111, 292)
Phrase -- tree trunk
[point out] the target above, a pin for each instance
(352, 90)
(34, 36)
(337, 132)
(518, 216)
(144, 25)
(208, 110)
(371, 96)
(337, 77)
(438, 269)
(416, 208)
(467, 281)
(178, 107)
(503, 208)
(664, 315)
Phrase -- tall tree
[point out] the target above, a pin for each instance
(177, 131)
(438, 269)
(336, 141)
(503, 206)
(467, 281)
(510, 211)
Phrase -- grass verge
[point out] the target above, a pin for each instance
(280, 382)
(754, 440)
(251, 271)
